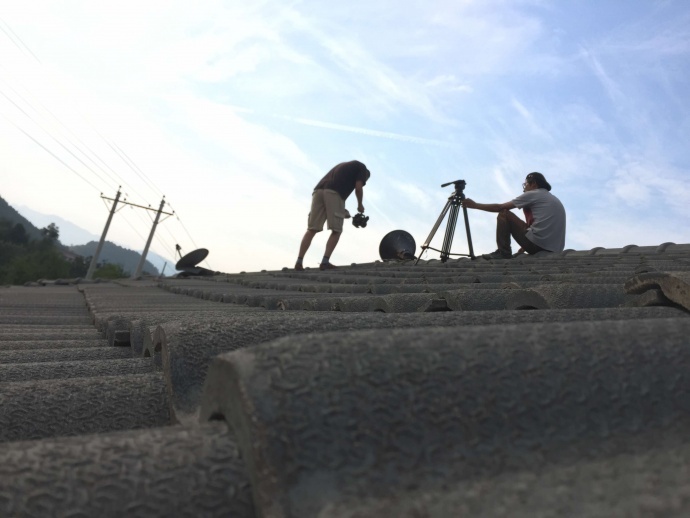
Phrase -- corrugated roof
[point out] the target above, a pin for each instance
(552, 385)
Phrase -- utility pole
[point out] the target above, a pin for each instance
(140, 266)
(94, 259)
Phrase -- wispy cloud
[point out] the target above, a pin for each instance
(530, 119)
(413, 195)
(370, 132)
(607, 82)
(346, 128)
(250, 146)
(449, 83)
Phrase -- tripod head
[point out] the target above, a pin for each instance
(459, 185)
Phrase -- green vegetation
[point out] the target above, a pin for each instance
(28, 253)
(8, 213)
(24, 260)
(114, 254)
(110, 271)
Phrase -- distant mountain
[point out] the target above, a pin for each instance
(112, 253)
(9, 213)
(70, 233)
(73, 235)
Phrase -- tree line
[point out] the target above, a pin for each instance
(23, 259)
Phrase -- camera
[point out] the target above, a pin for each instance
(360, 220)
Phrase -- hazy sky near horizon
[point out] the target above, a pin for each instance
(234, 110)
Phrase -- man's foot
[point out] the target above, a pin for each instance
(497, 255)
(299, 267)
(326, 266)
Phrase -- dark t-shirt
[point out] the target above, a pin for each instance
(342, 178)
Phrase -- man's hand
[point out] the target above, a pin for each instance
(469, 203)
(360, 208)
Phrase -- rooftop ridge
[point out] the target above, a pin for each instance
(379, 389)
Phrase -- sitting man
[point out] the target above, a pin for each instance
(328, 204)
(545, 215)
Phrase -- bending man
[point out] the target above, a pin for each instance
(328, 204)
(544, 229)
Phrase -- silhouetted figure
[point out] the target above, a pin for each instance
(328, 205)
(544, 228)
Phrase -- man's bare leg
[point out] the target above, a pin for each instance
(303, 247)
(306, 242)
(331, 243)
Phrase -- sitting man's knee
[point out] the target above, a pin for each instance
(503, 213)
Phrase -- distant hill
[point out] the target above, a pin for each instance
(70, 234)
(9, 213)
(73, 235)
(112, 253)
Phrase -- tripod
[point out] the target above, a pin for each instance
(453, 205)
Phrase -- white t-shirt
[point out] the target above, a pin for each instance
(548, 227)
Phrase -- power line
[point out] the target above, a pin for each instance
(132, 226)
(177, 216)
(128, 161)
(170, 233)
(162, 241)
(115, 148)
(52, 154)
(17, 41)
(157, 236)
(53, 137)
(117, 180)
(14, 39)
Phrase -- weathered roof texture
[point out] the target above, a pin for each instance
(553, 385)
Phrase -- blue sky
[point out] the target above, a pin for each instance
(234, 110)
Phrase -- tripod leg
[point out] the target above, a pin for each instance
(433, 230)
(467, 231)
(450, 232)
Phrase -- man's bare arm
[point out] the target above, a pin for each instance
(359, 192)
(488, 207)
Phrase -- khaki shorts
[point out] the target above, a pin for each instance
(327, 205)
